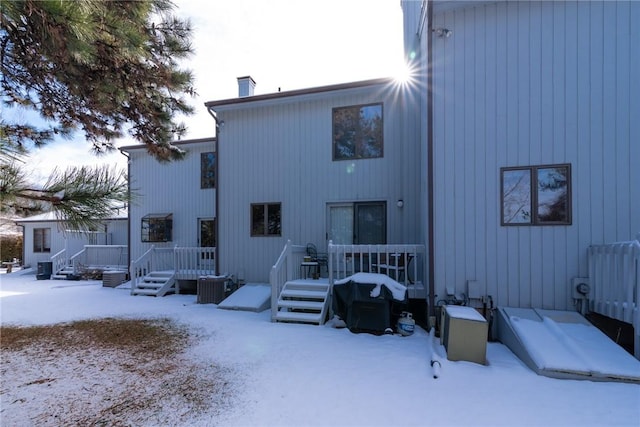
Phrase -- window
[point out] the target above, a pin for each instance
(360, 223)
(536, 195)
(41, 240)
(357, 132)
(207, 170)
(157, 227)
(265, 219)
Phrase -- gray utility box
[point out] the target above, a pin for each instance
(464, 334)
(211, 289)
(112, 279)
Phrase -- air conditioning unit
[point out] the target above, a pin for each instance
(111, 279)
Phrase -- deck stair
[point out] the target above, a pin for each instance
(303, 301)
(156, 283)
(63, 273)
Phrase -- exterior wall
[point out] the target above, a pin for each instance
(280, 150)
(72, 242)
(533, 83)
(171, 187)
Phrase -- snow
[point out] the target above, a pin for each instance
(398, 290)
(302, 375)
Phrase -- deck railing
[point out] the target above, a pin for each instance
(188, 263)
(404, 262)
(59, 261)
(100, 257)
(614, 276)
(286, 268)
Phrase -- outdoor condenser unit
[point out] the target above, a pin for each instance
(112, 279)
(211, 290)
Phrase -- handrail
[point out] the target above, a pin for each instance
(195, 261)
(614, 276)
(284, 270)
(140, 267)
(59, 261)
(75, 260)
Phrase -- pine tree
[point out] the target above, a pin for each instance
(100, 68)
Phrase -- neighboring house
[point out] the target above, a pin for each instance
(337, 163)
(46, 237)
(173, 206)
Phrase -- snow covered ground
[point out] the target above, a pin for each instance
(299, 375)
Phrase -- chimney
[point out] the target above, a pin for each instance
(246, 85)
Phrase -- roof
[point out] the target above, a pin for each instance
(299, 92)
(51, 217)
(177, 143)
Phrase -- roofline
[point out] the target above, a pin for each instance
(298, 92)
(179, 142)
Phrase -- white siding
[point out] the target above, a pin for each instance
(169, 187)
(519, 84)
(281, 151)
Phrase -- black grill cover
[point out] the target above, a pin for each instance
(352, 302)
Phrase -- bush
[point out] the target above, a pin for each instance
(10, 247)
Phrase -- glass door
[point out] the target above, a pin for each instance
(207, 239)
(362, 223)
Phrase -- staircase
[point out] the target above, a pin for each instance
(303, 301)
(156, 283)
(63, 273)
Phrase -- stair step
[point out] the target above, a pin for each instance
(59, 276)
(307, 286)
(303, 305)
(145, 285)
(150, 292)
(155, 279)
(293, 316)
(299, 293)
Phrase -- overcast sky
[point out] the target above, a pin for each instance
(286, 44)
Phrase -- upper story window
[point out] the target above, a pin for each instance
(266, 219)
(41, 240)
(357, 132)
(536, 195)
(157, 227)
(207, 170)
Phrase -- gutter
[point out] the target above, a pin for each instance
(128, 210)
(430, 179)
(219, 126)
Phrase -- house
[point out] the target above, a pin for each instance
(282, 178)
(47, 240)
(509, 157)
(172, 217)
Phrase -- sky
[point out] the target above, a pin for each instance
(281, 44)
(279, 374)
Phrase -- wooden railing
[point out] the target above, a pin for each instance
(401, 262)
(59, 261)
(286, 268)
(614, 277)
(188, 263)
(191, 263)
(101, 257)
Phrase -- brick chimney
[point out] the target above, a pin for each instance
(246, 85)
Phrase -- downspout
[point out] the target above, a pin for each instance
(217, 181)
(128, 211)
(430, 186)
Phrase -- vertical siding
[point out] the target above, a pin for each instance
(174, 188)
(530, 83)
(281, 151)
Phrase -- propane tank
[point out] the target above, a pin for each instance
(406, 324)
